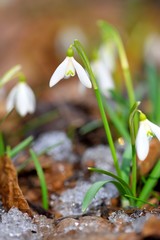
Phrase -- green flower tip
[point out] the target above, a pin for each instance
(142, 116)
(70, 52)
(22, 78)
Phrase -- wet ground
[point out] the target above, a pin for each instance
(65, 168)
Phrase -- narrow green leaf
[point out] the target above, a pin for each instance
(10, 74)
(91, 126)
(27, 161)
(126, 163)
(21, 146)
(90, 194)
(123, 183)
(140, 200)
(92, 191)
(41, 179)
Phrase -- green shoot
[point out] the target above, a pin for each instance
(92, 191)
(12, 73)
(41, 179)
(21, 146)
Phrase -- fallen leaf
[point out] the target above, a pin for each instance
(10, 191)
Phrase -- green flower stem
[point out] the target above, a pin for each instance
(134, 170)
(116, 121)
(86, 63)
(107, 130)
(133, 112)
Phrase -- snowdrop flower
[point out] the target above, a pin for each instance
(146, 131)
(22, 98)
(68, 68)
(103, 76)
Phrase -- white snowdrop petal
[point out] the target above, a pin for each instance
(25, 100)
(11, 99)
(31, 99)
(22, 103)
(142, 142)
(59, 72)
(83, 77)
(155, 129)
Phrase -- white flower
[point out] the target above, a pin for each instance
(146, 130)
(68, 68)
(22, 98)
(103, 76)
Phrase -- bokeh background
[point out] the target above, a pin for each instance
(37, 33)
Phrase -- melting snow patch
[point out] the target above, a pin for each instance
(56, 144)
(70, 201)
(17, 225)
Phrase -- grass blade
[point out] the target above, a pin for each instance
(120, 180)
(41, 179)
(92, 191)
(13, 152)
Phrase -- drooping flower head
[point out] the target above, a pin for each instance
(68, 68)
(146, 131)
(22, 98)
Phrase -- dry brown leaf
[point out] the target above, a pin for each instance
(152, 158)
(10, 191)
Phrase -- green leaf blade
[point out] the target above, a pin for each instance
(90, 194)
(92, 191)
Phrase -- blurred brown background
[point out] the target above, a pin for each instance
(37, 33)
